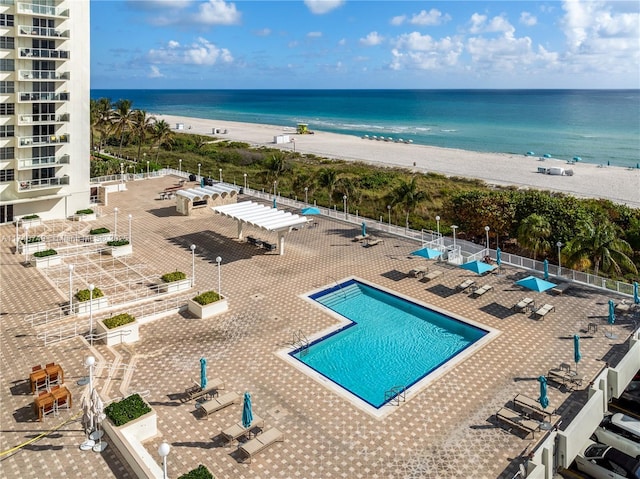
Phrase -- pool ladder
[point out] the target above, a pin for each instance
(300, 342)
(395, 395)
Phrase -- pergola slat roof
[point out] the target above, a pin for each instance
(201, 193)
(261, 216)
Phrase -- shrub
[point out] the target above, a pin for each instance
(48, 252)
(88, 211)
(121, 242)
(127, 410)
(85, 294)
(30, 217)
(175, 276)
(207, 297)
(99, 231)
(118, 320)
(32, 239)
(200, 472)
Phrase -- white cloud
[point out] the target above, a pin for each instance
(210, 12)
(342, 42)
(173, 44)
(320, 7)
(528, 19)
(314, 34)
(414, 50)
(372, 39)
(399, 20)
(479, 24)
(201, 52)
(217, 12)
(155, 5)
(432, 17)
(155, 72)
(265, 32)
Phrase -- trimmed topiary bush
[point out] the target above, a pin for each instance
(30, 217)
(99, 231)
(127, 410)
(175, 276)
(45, 253)
(85, 294)
(200, 472)
(32, 239)
(122, 242)
(207, 297)
(88, 211)
(118, 320)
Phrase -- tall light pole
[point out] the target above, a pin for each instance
(306, 195)
(115, 223)
(389, 209)
(559, 245)
(130, 218)
(26, 244)
(219, 260)
(193, 265)
(344, 200)
(220, 172)
(454, 228)
(70, 288)
(17, 238)
(122, 172)
(147, 168)
(438, 225)
(275, 184)
(91, 288)
(486, 229)
(164, 450)
(245, 181)
(180, 166)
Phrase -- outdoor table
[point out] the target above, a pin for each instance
(41, 402)
(53, 370)
(61, 393)
(36, 377)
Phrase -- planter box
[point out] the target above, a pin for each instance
(47, 261)
(103, 238)
(82, 307)
(33, 247)
(30, 223)
(208, 310)
(123, 250)
(114, 335)
(175, 286)
(90, 217)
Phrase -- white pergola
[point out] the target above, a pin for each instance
(208, 191)
(261, 216)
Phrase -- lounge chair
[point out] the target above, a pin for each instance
(561, 288)
(515, 419)
(261, 442)
(373, 242)
(531, 406)
(232, 433)
(465, 284)
(418, 271)
(623, 307)
(216, 403)
(196, 392)
(544, 310)
(480, 291)
(565, 376)
(433, 274)
(523, 305)
(360, 237)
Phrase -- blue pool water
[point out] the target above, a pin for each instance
(388, 342)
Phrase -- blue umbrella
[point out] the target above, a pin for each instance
(546, 269)
(547, 155)
(577, 158)
(499, 256)
(364, 229)
(535, 284)
(478, 267)
(310, 211)
(274, 203)
(530, 153)
(543, 399)
(203, 373)
(636, 297)
(576, 350)
(612, 312)
(427, 253)
(247, 413)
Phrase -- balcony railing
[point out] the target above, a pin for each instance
(42, 118)
(55, 182)
(29, 163)
(30, 9)
(43, 75)
(42, 31)
(44, 53)
(43, 140)
(43, 96)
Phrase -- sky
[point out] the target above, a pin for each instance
(353, 44)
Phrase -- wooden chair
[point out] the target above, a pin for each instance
(62, 397)
(44, 404)
(36, 368)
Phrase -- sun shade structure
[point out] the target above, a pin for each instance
(478, 267)
(218, 194)
(427, 253)
(535, 284)
(261, 216)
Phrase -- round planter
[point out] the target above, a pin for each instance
(208, 310)
(175, 286)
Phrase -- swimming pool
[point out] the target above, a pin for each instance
(384, 341)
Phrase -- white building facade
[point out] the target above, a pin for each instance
(44, 108)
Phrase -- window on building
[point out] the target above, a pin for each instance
(7, 175)
(6, 131)
(8, 43)
(7, 87)
(7, 108)
(6, 20)
(7, 65)
(7, 153)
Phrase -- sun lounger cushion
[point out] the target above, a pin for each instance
(465, 284)
(561, 288)
(482, 290)
(373, 242)
(261, 442)
(544, 310)
(220, 402)
(523, 304)
(433, 275)
(360, 237)
(513, 418)
(237, 430)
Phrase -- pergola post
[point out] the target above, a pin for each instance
(281, 242)
(240, 231)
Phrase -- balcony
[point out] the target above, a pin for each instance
(42, 162)
(42, 96)
(43, 118)
(42, 32)
(40, 140)
(43, 75)
(44, 183)
(42, 10)
(44, 53)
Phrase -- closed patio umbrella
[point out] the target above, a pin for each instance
(499, 257)
(543, 399)
(611, 319)
(203, 373)
(274, 203)
(576, 350)
(364, 229)
(545, 265)
(636, 297)
(247, 413)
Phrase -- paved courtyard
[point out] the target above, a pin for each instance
(447, 430)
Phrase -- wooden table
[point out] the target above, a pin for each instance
(42, 402)
(35, 377)
(53, 370)
(61, 393)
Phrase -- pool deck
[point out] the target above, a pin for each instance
(447, 430)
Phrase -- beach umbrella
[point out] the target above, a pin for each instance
(530, 153)
(247, 413)
(535, 284)
(577, 158)
(274, 203)
(478, 267)
(426, 253)
(636, 297)
(545, 265)
(203, 373)
(310, 211)
(364, 229)
(499, 256)
(543, 399)
(576, 350)
(547, 155)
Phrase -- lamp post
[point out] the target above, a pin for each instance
(147, 168)
(389, 210)
(122, 172)
(486, 229)
(454, 228)
(559, 245)
(115, 223)
(17, 237)
(245, 181)
(220, 172)
(438, 225)
(180, 166)
(199, 165)
(306, 194)
(344, 200)
(193, 265)
(219, 260)
(130, 218)
(164, 450)
(275, 185)
(26, 244)
(91, 288)
(70, 288)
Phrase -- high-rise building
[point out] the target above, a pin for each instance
(44, 109)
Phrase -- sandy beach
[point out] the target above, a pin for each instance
(621, 185)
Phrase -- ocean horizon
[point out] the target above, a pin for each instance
(598, 126)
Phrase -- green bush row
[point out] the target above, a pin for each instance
(118, 320)
(85, 294)
(175, 276)
(30, 217)
(88, 211)
(48, 252)
(127, 410)
(99, 231)
(207, 297)
(32, 239)
(200, 472)
(121, 242)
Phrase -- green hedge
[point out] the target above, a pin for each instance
(118, 320)
(200, 472)
(127, 410)
(85, 294)
(88, 211)
(30, 217)
(207, 297)
(99, 231)
(175, 276)
(122, 242)
(43, 254)
(32, 239)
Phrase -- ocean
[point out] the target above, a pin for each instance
(598, 126)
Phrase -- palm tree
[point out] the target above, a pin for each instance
(276, 165)
(162, 135)
(100, 118)
(122, 120)
(141, 125)
(598, 242)
(328, 178)
(533, 234)
(408, 196)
